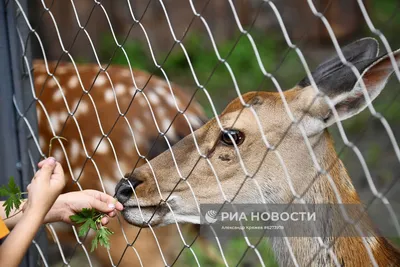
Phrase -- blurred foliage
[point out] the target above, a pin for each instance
(212, 73)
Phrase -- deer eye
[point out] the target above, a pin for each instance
(237, 136)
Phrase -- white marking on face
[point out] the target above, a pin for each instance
(109, 95)
(120, 89)
(73, 82)
(74, 150)
(103, 147)
(100, 81)
(153, 98)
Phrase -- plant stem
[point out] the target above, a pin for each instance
(12, 215)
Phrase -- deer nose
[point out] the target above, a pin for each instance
(124, 189)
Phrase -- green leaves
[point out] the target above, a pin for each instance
(13, 194)
(91, 219)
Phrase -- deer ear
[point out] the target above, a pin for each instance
(340, 83)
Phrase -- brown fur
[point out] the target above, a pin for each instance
(122, 141)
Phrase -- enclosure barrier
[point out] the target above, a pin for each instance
(20, 149)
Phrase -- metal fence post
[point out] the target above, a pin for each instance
(17, 149)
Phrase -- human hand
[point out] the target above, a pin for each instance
(45, 187)
(70, 203)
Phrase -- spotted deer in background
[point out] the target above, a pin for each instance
(275, 174)
(99, 170)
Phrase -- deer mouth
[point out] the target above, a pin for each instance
(145, 215)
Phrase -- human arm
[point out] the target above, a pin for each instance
(43, 191)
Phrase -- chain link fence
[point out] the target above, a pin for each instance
(116, 118)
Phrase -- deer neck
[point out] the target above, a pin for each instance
(349, 251)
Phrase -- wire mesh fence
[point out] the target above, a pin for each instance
(117, 118)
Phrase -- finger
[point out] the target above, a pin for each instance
(119, 206)
(101, 206)
(27, 188)
(47, 169)
(105, 198)
(58, 170)
(111, 214)
(104, 220)
(40, 164)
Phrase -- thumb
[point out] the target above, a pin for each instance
(47, 168)
(102, 206)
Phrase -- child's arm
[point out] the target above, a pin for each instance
(43, 191)
(70, 203)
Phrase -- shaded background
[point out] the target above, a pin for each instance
(306, 31)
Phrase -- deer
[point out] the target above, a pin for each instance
(58, 84)
(153, 195)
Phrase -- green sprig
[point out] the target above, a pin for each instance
(91, 219)
(13, 194)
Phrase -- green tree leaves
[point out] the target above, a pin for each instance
(91, 219)
(13, 194)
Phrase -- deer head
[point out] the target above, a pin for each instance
(218, 173)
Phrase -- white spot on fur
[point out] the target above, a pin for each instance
(125, 73)
(57, 96)
(39, 80)
(39, 114)
(83, 108)
(103, 147)
(109, 95)
(170, 100)
(61, 70)
(57, 154)
(120, 89)
(41, 141)
(132, 91)
(73, 82)
(76, 173)
(194, 120)
(101, 80)
(74, 150)
(138, 125)
(153, 98)
(161, 111)
(56, 121)
(171, 134)
(51, 83)
(161, 90)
